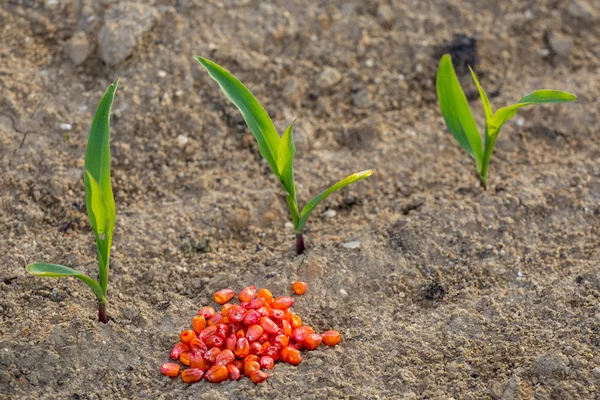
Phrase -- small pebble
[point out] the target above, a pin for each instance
(351, 245)
(66, 127)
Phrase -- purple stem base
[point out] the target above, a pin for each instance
(299, 244)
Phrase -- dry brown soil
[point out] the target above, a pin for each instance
(453, 292)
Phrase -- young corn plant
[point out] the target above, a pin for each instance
(461, 124)
(99, 202)
(278, 151)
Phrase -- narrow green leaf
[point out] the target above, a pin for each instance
(359, 176)
(484, 99)
(97, 155)
(98, 206)
(254, 114)
(456, 111)
(60, 271)
(548, 96)
(285, 160)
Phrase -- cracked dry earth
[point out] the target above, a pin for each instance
(453, 292)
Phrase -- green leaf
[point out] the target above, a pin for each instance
(254, 114)
(359, 176)
(456, 111)
(484, 99)
(60, 271)
(285, 161)
(548, 96)
(98, 206)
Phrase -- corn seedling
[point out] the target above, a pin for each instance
(99, 202)
(460, 121)
(278, 151)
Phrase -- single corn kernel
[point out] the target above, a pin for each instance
(266, 295)
(271, 351)
(283, 353)
(256, 303)
(225, 357)
(264, 311)
(230, 342)
(198, 323)
(240, 334)
(251, 317)
(225, 308)
(170, 369)
(234, 372)
(207, 312)
(197, 344)
(288, 315)
(277, 315)
(259, 376)
(214, 341)
(179, 349)
(299, 287)
(293, 357)
(234, 327)
(196, 359)
(207, 332)
(247, 294)
(216, 320)
(287, 328)
(251, 357)
(254, 332)
(192, 375)
(211, 355)
(312, 341)
(269, 326)
(222, 330)
(236, 313)
(298, 346)
(282, 302)
(255, 348)
(187, 336)
(239, 364)
(223, 296)
(184, 358)
(267, 362)
(250, 367)
(217, 373)
(331, 338)
(281, 341)
(242, 347)
(296, 321)
(263, 338)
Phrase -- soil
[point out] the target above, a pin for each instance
(453, 292)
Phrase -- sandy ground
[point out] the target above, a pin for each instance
(453, 292)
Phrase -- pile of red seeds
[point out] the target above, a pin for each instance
(244, 338)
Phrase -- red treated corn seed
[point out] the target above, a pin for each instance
(293, 357)
(331, 338)
(298, 334)
(256, 303)
(170, 369)
(225, 308)
(254, 332)
(223, 296)
(312, 341)
(269, 326)
(216, 320)
(250, 367)
(264, 338)
(236, 313)
(296, 321)
(196, 360)
(251, 357)
(187, 336)
(225, 357)
(198, 323)
(282, 302)
(207, 312)
(242, 347)
(230, 342)
(240, 334)
(211, 355)
(255, 348)
(271, 351)
(264, 311)
(267, 362)
(281, 341)
(234, 327)
(234, 372)
(283, 353)
(288, 315)
(259, 376)
(266, 295)
(298, 346)
(264, 346)
(251, 317)
(277, 314)
(299, 287)
(197, 344)
(217, 373)
(184, 358)
(214, 341)
(179, 349)
(239, 364)
(287, 328)
(222, 330)
(207, 332)
(192, 375)
(247, 294)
